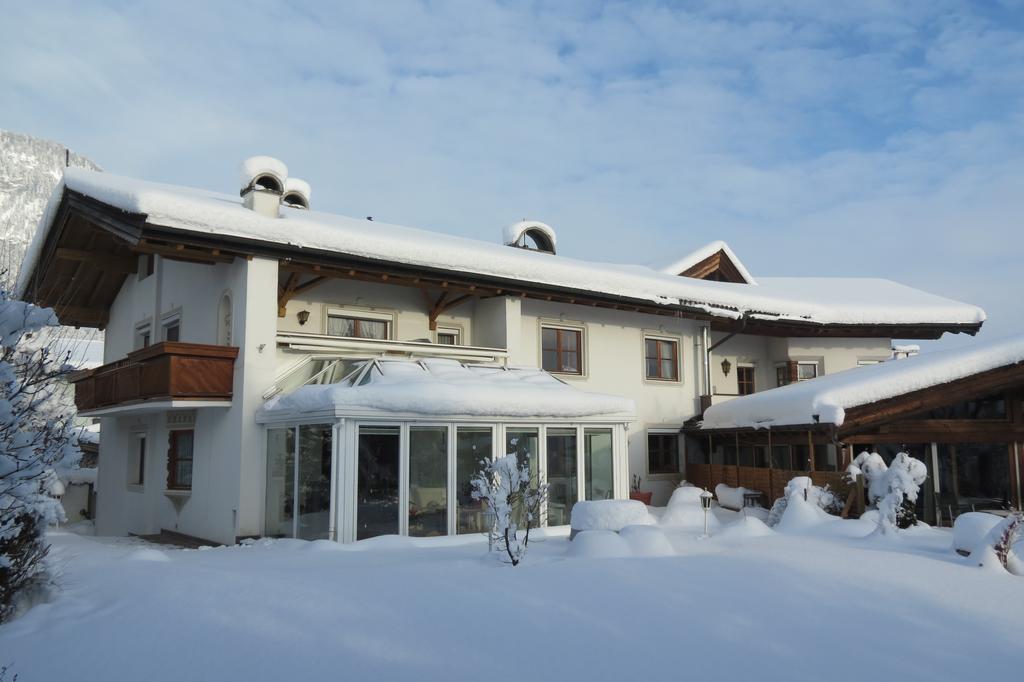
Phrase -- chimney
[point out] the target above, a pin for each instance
(263, 183)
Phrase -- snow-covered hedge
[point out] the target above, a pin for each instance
(970, 528)
(609, 515)
(731, 498)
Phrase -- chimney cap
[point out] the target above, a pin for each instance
(296, 193)
(265, 172)
(531, 234)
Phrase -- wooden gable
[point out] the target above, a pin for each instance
(717, 267)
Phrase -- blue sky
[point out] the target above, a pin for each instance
(881, 139)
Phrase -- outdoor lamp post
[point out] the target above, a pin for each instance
(705, 503)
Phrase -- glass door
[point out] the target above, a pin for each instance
(377, 503)
(473, 444)
(428, 480)
(314, 482)
(524, 443)
(598, 465)
(279, 506)
(563, 479)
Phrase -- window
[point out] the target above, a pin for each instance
(137, 462)
(561, 350)
(744, 379)
(147, 264)
(143, 336)
(806, 370)
(179, 460)
(367, 326)
(662, 359)
(448, 336)
(172, 328)
(868, 362)
(662, 453)
(788, 372)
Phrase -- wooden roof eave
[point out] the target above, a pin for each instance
(864, 418)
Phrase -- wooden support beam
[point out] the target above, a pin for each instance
(106, 261)
(285, 293)
(181, 252)
(80, 316)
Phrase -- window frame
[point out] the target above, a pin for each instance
(807, 363)
(580, 352)
(358, 315)
(146, 265)
(451, 330)
(677, 353)
(170, 320)
(138, 454)
(173, 458)
(680, 456)
(745, 367)
(143, 336)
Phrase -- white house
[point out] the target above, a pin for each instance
(272, 370)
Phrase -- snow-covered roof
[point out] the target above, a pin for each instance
(819, 301)
(704, 252)
(826, 399)
(439, 387)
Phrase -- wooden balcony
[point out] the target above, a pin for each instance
(159, 374)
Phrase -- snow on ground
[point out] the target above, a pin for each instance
(826, 603)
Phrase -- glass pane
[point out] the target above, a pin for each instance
(598, 473)
(562, 477)
(651, 349)
(667, 350)
(570, 340)
(472, 446)
(801, 459)
(652, 369)
(668, 369)
(341, 326)
(314, 481)
(806, 371)
(781, 458)
(525, 445)
(548, 338)
(280, 500)
(570, 362)
(550, 361)
(171, 332)
(373, 329)
(377, 491)
(663, 453)
(183, 472)
(428, 480)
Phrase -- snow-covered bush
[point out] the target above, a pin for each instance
(37, 436)
(609, 515)
(892, 489)
(998, 546)
(510, 494)
(803, 487)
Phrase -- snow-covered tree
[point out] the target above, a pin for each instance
(892, 489)
(803, 486)
(37, 437)
(513, 498)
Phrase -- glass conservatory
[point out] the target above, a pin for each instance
(392, 447)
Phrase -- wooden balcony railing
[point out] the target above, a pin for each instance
(163, 371)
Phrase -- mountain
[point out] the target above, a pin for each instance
(30, 168)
